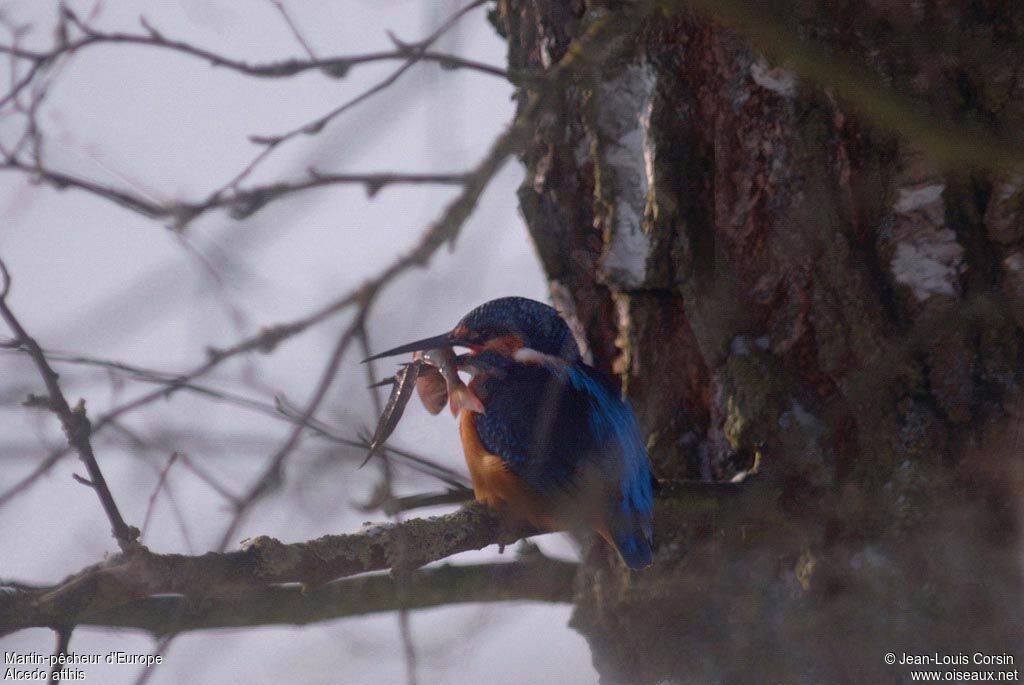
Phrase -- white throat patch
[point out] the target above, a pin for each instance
(528, 355)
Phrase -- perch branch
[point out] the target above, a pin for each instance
(401, 547)
(539, 580)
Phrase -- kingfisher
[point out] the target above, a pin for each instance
(546, 436)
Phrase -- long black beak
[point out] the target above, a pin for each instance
(443, 340)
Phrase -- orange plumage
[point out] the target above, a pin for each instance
(497, 487)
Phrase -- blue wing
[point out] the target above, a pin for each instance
(546, 423)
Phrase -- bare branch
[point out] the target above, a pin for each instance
(172, 383)
(293, 28)
(334, 67)
(591, 50)
(156, 491)
(214, 484)
(40, 470)
(60, 181)
(402, 547)
(273, 473)
(537, 580)
(413, 52)
(239, 202)
(74, 421)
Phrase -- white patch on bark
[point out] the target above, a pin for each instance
(929, 268)
(927, 258)
(1005, 213)
(776, 79)
(561, 298)
(1008, 187)
(545, 53)
(870, 558)
(911, 199)
(1013, 284)
(1015, 263)
(626, 158)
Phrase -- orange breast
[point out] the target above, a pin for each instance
(496, 486)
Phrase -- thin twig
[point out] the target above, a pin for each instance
(74, 421)
(280, 410)
(588, 53)
(335, 67)
(273, 474)
(293, 28)
(179, 517)
(414, 53)
(395, 514)
(63, 636)
(156, 491)
(239, 202)
(160, 648)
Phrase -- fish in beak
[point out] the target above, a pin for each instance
(459, 396)
(437, 352)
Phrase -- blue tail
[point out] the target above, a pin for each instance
(631, 521)
(632, 524)
(635, 549)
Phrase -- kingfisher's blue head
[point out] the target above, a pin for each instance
(510, 326)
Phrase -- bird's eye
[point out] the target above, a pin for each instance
(471, 337)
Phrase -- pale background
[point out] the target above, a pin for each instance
(92, 278)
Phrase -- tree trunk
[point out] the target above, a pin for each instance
(772, 274)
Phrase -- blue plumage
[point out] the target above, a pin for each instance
(555, 422)
(538, 326)
(615, 427)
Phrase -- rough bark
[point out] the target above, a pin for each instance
(536, 578)
(772, 272)
(265, 562)
(257, 585)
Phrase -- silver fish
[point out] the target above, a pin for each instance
(434, 375)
